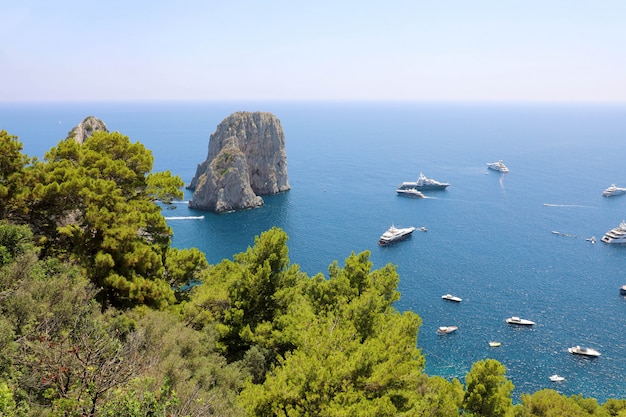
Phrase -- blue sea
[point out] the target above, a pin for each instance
(490, 236)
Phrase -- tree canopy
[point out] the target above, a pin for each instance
(97, 203)
(488, 391)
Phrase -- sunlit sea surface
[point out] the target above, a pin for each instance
(490, 236)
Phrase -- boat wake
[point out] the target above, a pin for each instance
(184, 218)
(180, 202)
(591, 239)
(567, 205)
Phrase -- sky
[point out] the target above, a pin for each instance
(436, 50)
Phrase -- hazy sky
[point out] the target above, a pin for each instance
(564, 50)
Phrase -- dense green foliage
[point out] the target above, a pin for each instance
(488, 392)
(99, 316)
(12, 176)
(96, 204)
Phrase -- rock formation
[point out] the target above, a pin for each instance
(246, 159)
(86, 128)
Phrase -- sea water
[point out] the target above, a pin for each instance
(490, 237)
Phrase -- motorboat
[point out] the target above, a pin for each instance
(519, 321)
(585, 351)
(498, 166)
(616, 235)
(451, 297)
(556, 378)
(394, 234)
(613, 190)
(494, 344)
(447, 329)
(424, 183)
(410, 192)
(622, 290)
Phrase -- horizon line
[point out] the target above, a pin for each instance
(342, 100)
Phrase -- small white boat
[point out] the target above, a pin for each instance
(556, 378)
(494, 343)
(613, 190)
(410, 192)
(447, 329)
(577, 350)
(519, 321)
(451, 297)
(498, 166)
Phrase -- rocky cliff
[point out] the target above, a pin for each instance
(246, 159)
(86, 128)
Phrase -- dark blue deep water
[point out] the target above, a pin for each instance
(489, 237)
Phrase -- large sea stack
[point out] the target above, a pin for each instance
(86, 128)
(246, 159)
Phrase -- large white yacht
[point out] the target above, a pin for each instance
(424, 183)
(613, 190)
(616, 235)
(394, 234)
(519, 321)
(577, 350)
(497, 166)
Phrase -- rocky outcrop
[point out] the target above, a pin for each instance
(86, 128)
(246, 159)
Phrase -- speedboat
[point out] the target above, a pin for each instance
(447, 329)
(556, 378)
(424, 183)
(494, 344)
(497, 166)
(616, 235)
(519, 321)
(410, 192)
(613, 190)
(577, 350)
(394, 234)
(622, 290)
(451, 297)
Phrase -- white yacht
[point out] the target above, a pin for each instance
(616, 235)
(556, 378)
(577, 350)
(410, 192)
(519, 321)
(394, 234)
(447, 329)
(424, 183)
(497, 166)
(613, 190)
(451, 297)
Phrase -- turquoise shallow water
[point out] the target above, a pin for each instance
(489, 237)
